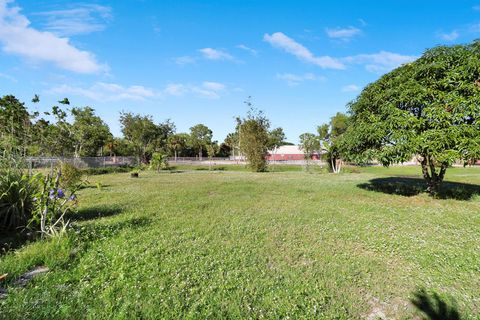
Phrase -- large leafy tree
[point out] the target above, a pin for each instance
(89, 132)
(115, 146)
(177, 143)
(330, 136)
(54, 138)
(14, 125)
(164, 131)
(141, 132)
(200, 138)
(224, 150)
(276, 138)
(429, 108)
(232, 142)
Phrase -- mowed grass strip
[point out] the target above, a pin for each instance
(253, 245)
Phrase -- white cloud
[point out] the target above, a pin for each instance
(380, 62)
(205, 93)
(248, 49)
(207, 89)
(215, 54)
(448, 36)
(296, 79)
(17, 37)
(281, 41)
(344, 34)
(175, 89)
(350, 88)
(476, 8)
(207, 54)
(214, 86)
(105, 92)
(84, 18)
(184, 60)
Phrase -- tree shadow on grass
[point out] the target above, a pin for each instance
(94, 213)
(433, 307)
(213, 168)
(94, 186)
(408, 187)
(12, 240)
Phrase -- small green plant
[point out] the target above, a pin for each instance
(70, 176)
(135, 172)
(159, 161)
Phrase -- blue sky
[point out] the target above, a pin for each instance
(197, 61)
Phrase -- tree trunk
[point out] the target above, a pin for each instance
(433, 178)
(175, 155)
(336, 164)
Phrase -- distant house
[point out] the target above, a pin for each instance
(285, 153)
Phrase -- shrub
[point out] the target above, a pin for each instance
(17, 191)
(51, 203)
(71, 176)
(159, 161)
(34, 201)
(253, 134)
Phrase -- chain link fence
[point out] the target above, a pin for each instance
(82, 162)
(102, 162)
(238, 160)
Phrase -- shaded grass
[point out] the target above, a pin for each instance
(245, 245)
(407, 186)
(244, 168)
(435, 307)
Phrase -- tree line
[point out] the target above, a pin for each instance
(78, 132)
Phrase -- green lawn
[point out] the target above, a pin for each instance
(230, 244)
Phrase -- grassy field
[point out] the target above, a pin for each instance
(228, 244)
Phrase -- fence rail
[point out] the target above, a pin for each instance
(237, 160)
(100, 162)
(82, 162)
(189, 159)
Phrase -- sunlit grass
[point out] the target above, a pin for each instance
(227, 244)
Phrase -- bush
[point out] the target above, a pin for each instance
(159, 161)
(35, 201)
(51, 204)
(71, 176)
(253, 133)
(106, 170)
(17, 191)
